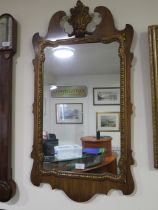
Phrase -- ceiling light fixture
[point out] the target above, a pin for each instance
(63, 52)
(53, 87)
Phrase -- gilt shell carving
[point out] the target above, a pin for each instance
(79, 19)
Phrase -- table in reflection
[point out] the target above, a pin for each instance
(101, 165)
(93, 161)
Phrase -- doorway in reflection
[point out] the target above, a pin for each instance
(81, 98)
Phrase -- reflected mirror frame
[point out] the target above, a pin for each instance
(73, 184)
(153, 53)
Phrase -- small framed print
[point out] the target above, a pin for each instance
(106, 96)
(108, 121)
(69, 113)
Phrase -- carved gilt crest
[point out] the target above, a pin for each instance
(79, 19)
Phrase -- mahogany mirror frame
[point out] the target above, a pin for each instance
(7, 51)
(153, 53)
(81, 187)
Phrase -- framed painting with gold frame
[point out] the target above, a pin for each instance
(108, 121)
(153, 53)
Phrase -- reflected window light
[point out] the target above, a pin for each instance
(63, 52)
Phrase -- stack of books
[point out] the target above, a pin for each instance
(94, 151)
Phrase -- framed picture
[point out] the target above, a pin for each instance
(69, 92)
(108, 121)
(69, 113)
(106, 96)
(153, 56)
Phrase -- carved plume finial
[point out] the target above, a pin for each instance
(79, 19)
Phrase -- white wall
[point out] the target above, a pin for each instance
(33, 16)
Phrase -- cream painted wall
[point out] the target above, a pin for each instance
(33, 16)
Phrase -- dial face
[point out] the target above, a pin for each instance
(6, 32)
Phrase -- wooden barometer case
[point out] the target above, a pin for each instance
(8, 34)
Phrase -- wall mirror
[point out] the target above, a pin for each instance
(82, 108)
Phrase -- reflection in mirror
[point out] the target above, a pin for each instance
(81, 106)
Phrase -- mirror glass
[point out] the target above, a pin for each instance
(6, 23)
(81, 108)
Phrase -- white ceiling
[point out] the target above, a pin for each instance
(92, 58)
